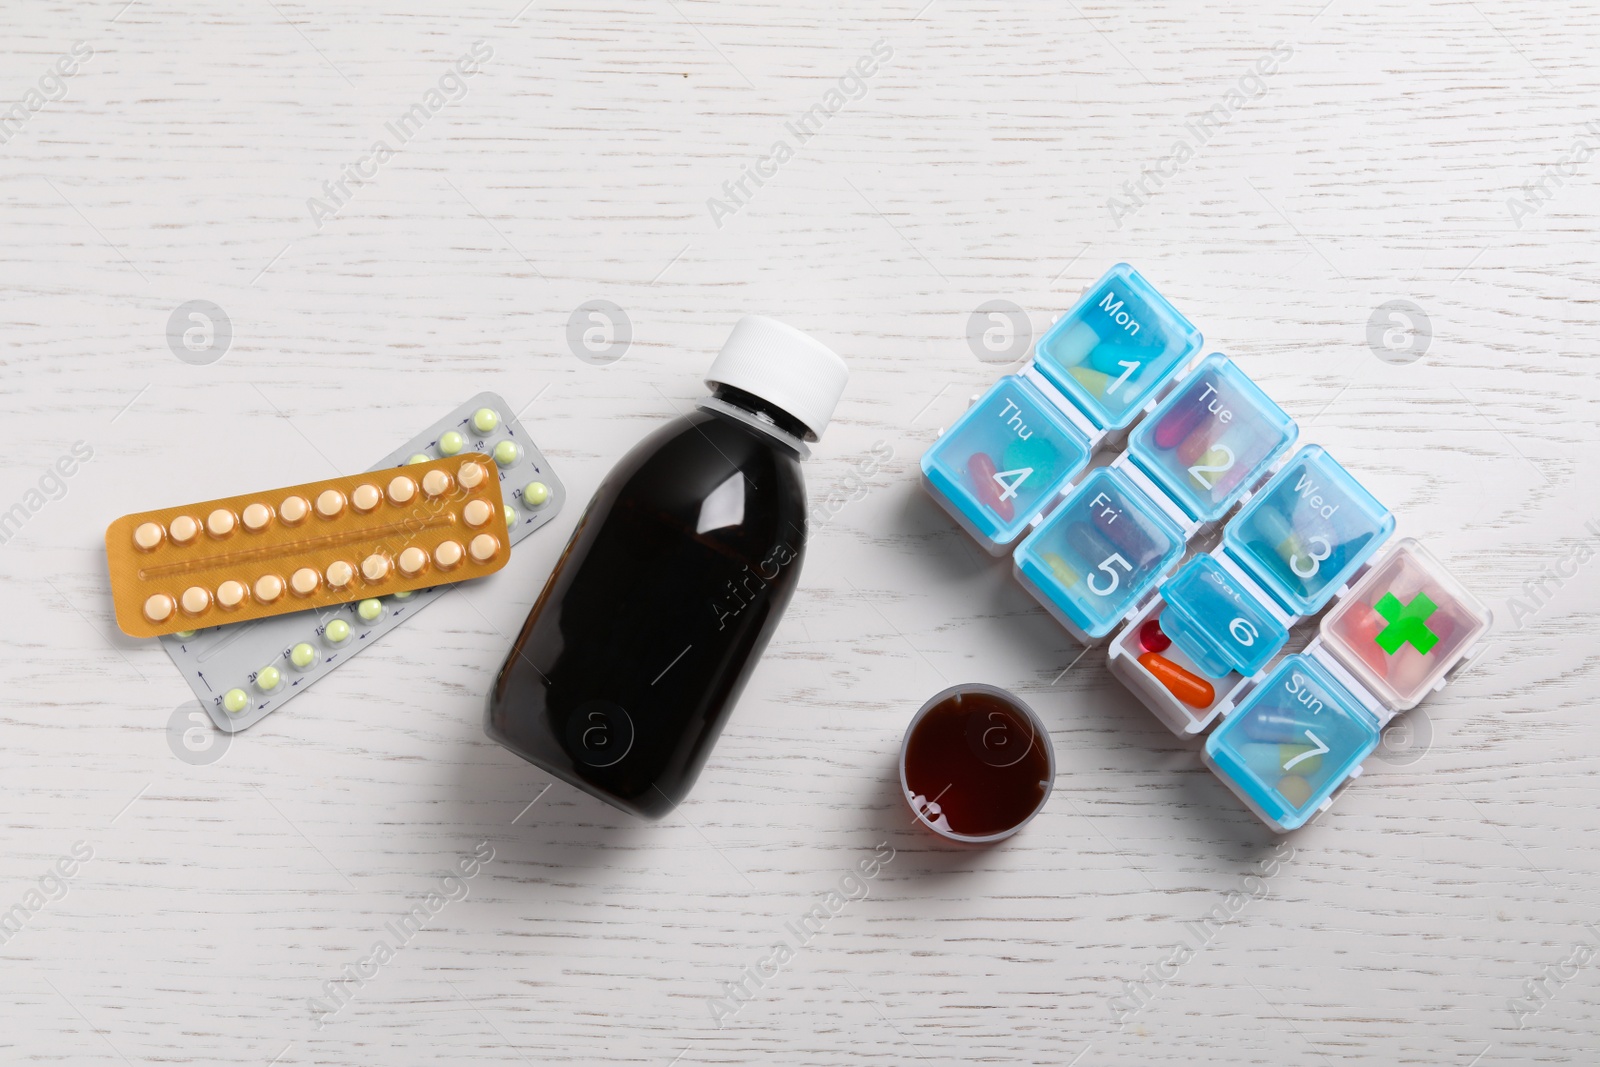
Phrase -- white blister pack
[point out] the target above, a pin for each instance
(244, 672)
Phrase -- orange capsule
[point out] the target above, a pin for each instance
(1192, 689)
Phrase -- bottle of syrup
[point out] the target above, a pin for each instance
(636, 651)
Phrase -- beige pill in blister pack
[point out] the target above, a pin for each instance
(307, 546)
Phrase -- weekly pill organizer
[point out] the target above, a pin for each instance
(1196, 640)
(243, 672)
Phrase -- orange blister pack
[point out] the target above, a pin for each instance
(307, 546)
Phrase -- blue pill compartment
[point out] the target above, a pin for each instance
(1003, 461)
(1294, 740)
(1117, 348)
(1213, 438)
(1098, 553)
(1307, 531)
(1219, 623)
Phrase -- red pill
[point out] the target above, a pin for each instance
(982, 471)
(1198, 443)
(1361, 633)
(1182, 418)
(1151, 637)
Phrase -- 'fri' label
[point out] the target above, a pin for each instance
(1106, 513)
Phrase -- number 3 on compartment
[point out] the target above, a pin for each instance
(1314, 556)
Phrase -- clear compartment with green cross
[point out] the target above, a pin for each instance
(1405, 626)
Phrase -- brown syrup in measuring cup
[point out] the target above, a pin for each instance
(980, 759)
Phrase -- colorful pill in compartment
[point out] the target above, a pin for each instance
(1404, 626)
(1117, 347)
(1190, 689)
(1212, 438)
(1170, 666)
(1217, 623)
(1293, 741)
(1003, 460)
(1163, 676)
(1098, 553)
(1307, 531)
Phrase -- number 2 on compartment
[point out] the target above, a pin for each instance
(1200, 470)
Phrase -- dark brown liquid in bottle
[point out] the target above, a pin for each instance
(635, 653)
(980, 760)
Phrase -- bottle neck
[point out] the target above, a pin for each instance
(759, 414)
(761, 409)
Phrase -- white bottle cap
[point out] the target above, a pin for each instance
(784, 367)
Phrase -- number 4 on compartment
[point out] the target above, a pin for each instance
(1017, 477)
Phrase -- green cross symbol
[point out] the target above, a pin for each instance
(1406, 623)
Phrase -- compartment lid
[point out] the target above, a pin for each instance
(1098, 553)
(1405, 626)
(1293, 741)
(1307, 531)
(1005, 459)
(1217, 623)
(1118, 346)
(1212, 439)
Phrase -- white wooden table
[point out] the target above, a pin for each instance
(978, 162)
